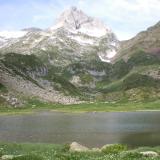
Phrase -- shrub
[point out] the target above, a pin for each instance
(114, 149)
(2, 100)
(3, 88)
(66, 148)
(137, 80)
(130, 155)
(1, 153)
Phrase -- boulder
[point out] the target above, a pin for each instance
(149, 154)
(7, 157)
(96, 150)
(76, 147)
(113, 148)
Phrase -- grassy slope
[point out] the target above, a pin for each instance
(128, 78)
(35, 105)
(24, 65)
(61, 152)
(134, 77)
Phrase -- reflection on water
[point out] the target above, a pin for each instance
(92, 129)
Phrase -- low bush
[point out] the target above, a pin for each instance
(130, 155)
(114, 149)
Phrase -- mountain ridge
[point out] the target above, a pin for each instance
(147, 40)
(67, 64)
(55, 36)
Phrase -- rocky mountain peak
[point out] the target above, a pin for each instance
(75, 20)
(74, 31)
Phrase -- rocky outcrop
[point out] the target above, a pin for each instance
(76, 147)
(149, 154)
(9, 157)
(29, 89)
(110, 149)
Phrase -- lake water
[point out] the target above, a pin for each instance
(91, 129)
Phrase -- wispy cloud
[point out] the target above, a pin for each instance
(125, 17)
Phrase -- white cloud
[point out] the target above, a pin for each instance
(125, 17)
(134, 16)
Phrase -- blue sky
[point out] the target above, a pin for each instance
(125, 17)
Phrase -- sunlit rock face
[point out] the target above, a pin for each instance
(76, 21)
(73, 31)
(88, 31)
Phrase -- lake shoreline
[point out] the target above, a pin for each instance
(96, 107)
(34, 111)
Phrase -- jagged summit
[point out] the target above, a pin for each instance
(75, 20)
(73, 31)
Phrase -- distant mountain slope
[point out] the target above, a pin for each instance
(141, 56)
(147, 41)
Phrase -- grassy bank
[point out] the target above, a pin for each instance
(34, 105)
(61, 152)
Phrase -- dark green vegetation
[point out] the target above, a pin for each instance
(22, 62)
(61, 152)
(3, 88)
(61, 83)
(124, 82)
(24, 66)
(114, 149)
(129, 71)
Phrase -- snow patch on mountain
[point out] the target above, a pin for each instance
(44, 48)
(3, 42)
(111, 53)
(107, 57)
(93, 31)
(103, 59)
(12, 34)
(82, 40)
(2, 39)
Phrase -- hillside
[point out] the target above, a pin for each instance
(147, 41)
(79, 59)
